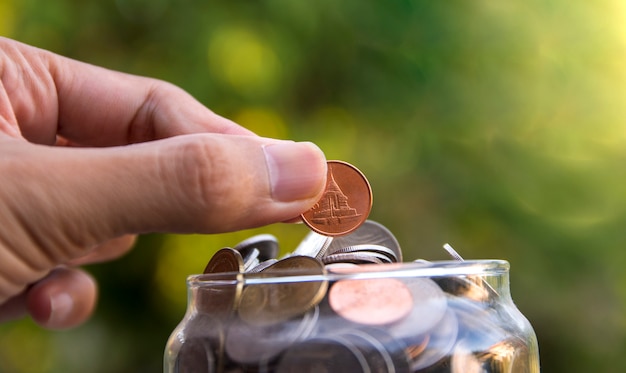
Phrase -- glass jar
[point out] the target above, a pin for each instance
(447, 316)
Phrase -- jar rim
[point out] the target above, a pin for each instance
(485, 267)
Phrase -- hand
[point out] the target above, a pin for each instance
(90, 157)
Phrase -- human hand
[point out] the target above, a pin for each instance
(90, 157)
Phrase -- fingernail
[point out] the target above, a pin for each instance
(297, 170)
(61, 306)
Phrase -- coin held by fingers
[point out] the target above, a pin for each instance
(345, 204)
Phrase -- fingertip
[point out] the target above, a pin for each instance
(297, 170)
(64, 299)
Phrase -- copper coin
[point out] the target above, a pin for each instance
(225, 260)
(345, 204)
(219, 293)
(379, 301)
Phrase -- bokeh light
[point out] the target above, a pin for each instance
(7, 17)
(245, 62)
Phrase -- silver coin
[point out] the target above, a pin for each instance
(262, 266)
(339, 266)
(382, 351)
(323, 354)
(369, 248)
(470, 287)
(442, 340)
(429, 307)
(314, 245)
(249, 344)
(356, 258)
(453, 253)
(196, 355)
(422, 261)
(371, 233)
(202, 348)
(489, 291)
(251, 260)
(477, 323)
(266, 244)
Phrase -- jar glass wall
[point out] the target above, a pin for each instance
(400, 317)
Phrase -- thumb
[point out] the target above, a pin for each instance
(57, 202)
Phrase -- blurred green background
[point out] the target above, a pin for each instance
(496, 126)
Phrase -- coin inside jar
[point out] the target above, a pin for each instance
(220, 299)
(369, 233)
(441, 342)
(263, 304)
(356, 258)
(196, 355)
(345, 204)
(266, 244)
(388, 255)
(323, 355)
(248, 344)
(225, 260)
(382, 352)
(377, 301)
(429, 307)
(315, 310)
(313, 245)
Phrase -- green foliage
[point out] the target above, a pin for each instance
(495, 126)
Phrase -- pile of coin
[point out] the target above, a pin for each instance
(303, 312)
(338, 303)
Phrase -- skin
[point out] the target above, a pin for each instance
(91, 157)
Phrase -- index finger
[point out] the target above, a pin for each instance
(97, 106)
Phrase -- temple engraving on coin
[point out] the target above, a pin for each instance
(345, 204)
(333, 208)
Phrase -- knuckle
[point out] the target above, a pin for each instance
(214, 183)
(200, 174)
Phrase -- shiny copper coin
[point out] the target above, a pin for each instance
(219, 293)
(379, 301)
(345, 204)
(225, 260)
